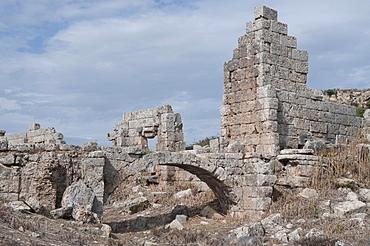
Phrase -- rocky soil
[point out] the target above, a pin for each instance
(353, 97)
(179, 215)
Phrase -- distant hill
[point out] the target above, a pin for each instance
(354, 97)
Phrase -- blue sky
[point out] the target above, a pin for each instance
(79, 65)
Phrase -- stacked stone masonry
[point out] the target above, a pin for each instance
(35, 135)
(266, 105)
(136, 127)
(267, 116)
(243, 183)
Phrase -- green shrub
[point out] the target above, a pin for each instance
(330, 92)
(360, 112)
(368, 103)
(202, 142)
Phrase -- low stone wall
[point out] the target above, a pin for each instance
(35, 135)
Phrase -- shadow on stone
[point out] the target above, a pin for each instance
(221, 190)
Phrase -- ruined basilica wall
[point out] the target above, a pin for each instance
(266, 105)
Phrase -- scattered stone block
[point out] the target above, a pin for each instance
(36, 206)
(314, 233)
(210, 213)
(273, 223)
(342, 208)
(365, 194)
(183, 193)
(62, 213)
(84, 214)
(105, 230)
(247, 240)
(309, 193)
(295, 235)
(78, 194)
(175, 225)
(19, 206)
(136, 205)
(181, 218)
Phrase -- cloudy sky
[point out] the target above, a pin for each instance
(78, 65)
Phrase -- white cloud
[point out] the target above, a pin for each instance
(6, 104)
(79, 65)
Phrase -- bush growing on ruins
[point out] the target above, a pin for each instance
(368, 103)
(202, 142)
(360, 112)
(330, 92)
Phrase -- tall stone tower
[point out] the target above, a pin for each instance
(266, 104)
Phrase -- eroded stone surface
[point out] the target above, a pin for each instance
(266, 104)
(136, 127)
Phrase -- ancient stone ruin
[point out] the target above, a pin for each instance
(136, 127)
(266, 105)
(270, 125)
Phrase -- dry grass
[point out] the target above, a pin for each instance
(346, 161)
(31, 229)
(196, 200)
(350, 161)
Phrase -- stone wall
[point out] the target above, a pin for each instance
(137, 127)
(268, 115)
(243, 183)
(266, 105)
(35, 135)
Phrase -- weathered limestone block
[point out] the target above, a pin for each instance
(34, 126)
(293, 181)
(9, 182)
(94, 179)
(343, 208)
(8, 159)
(3, 145)
(257, 191)
(259, 24)
(265, 13)
(84, 214)
(279, 27)
(260, 167)
(37, 181)
(62, 213)
(78, 194)
(288, 41)
(257, 204)
(319, 127)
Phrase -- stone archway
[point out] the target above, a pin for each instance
(219, 188)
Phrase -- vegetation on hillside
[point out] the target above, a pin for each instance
(330, 92)
(360, 112)
(202, 142)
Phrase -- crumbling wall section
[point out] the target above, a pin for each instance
(266, 105)
(35, 135)
(136, 127)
